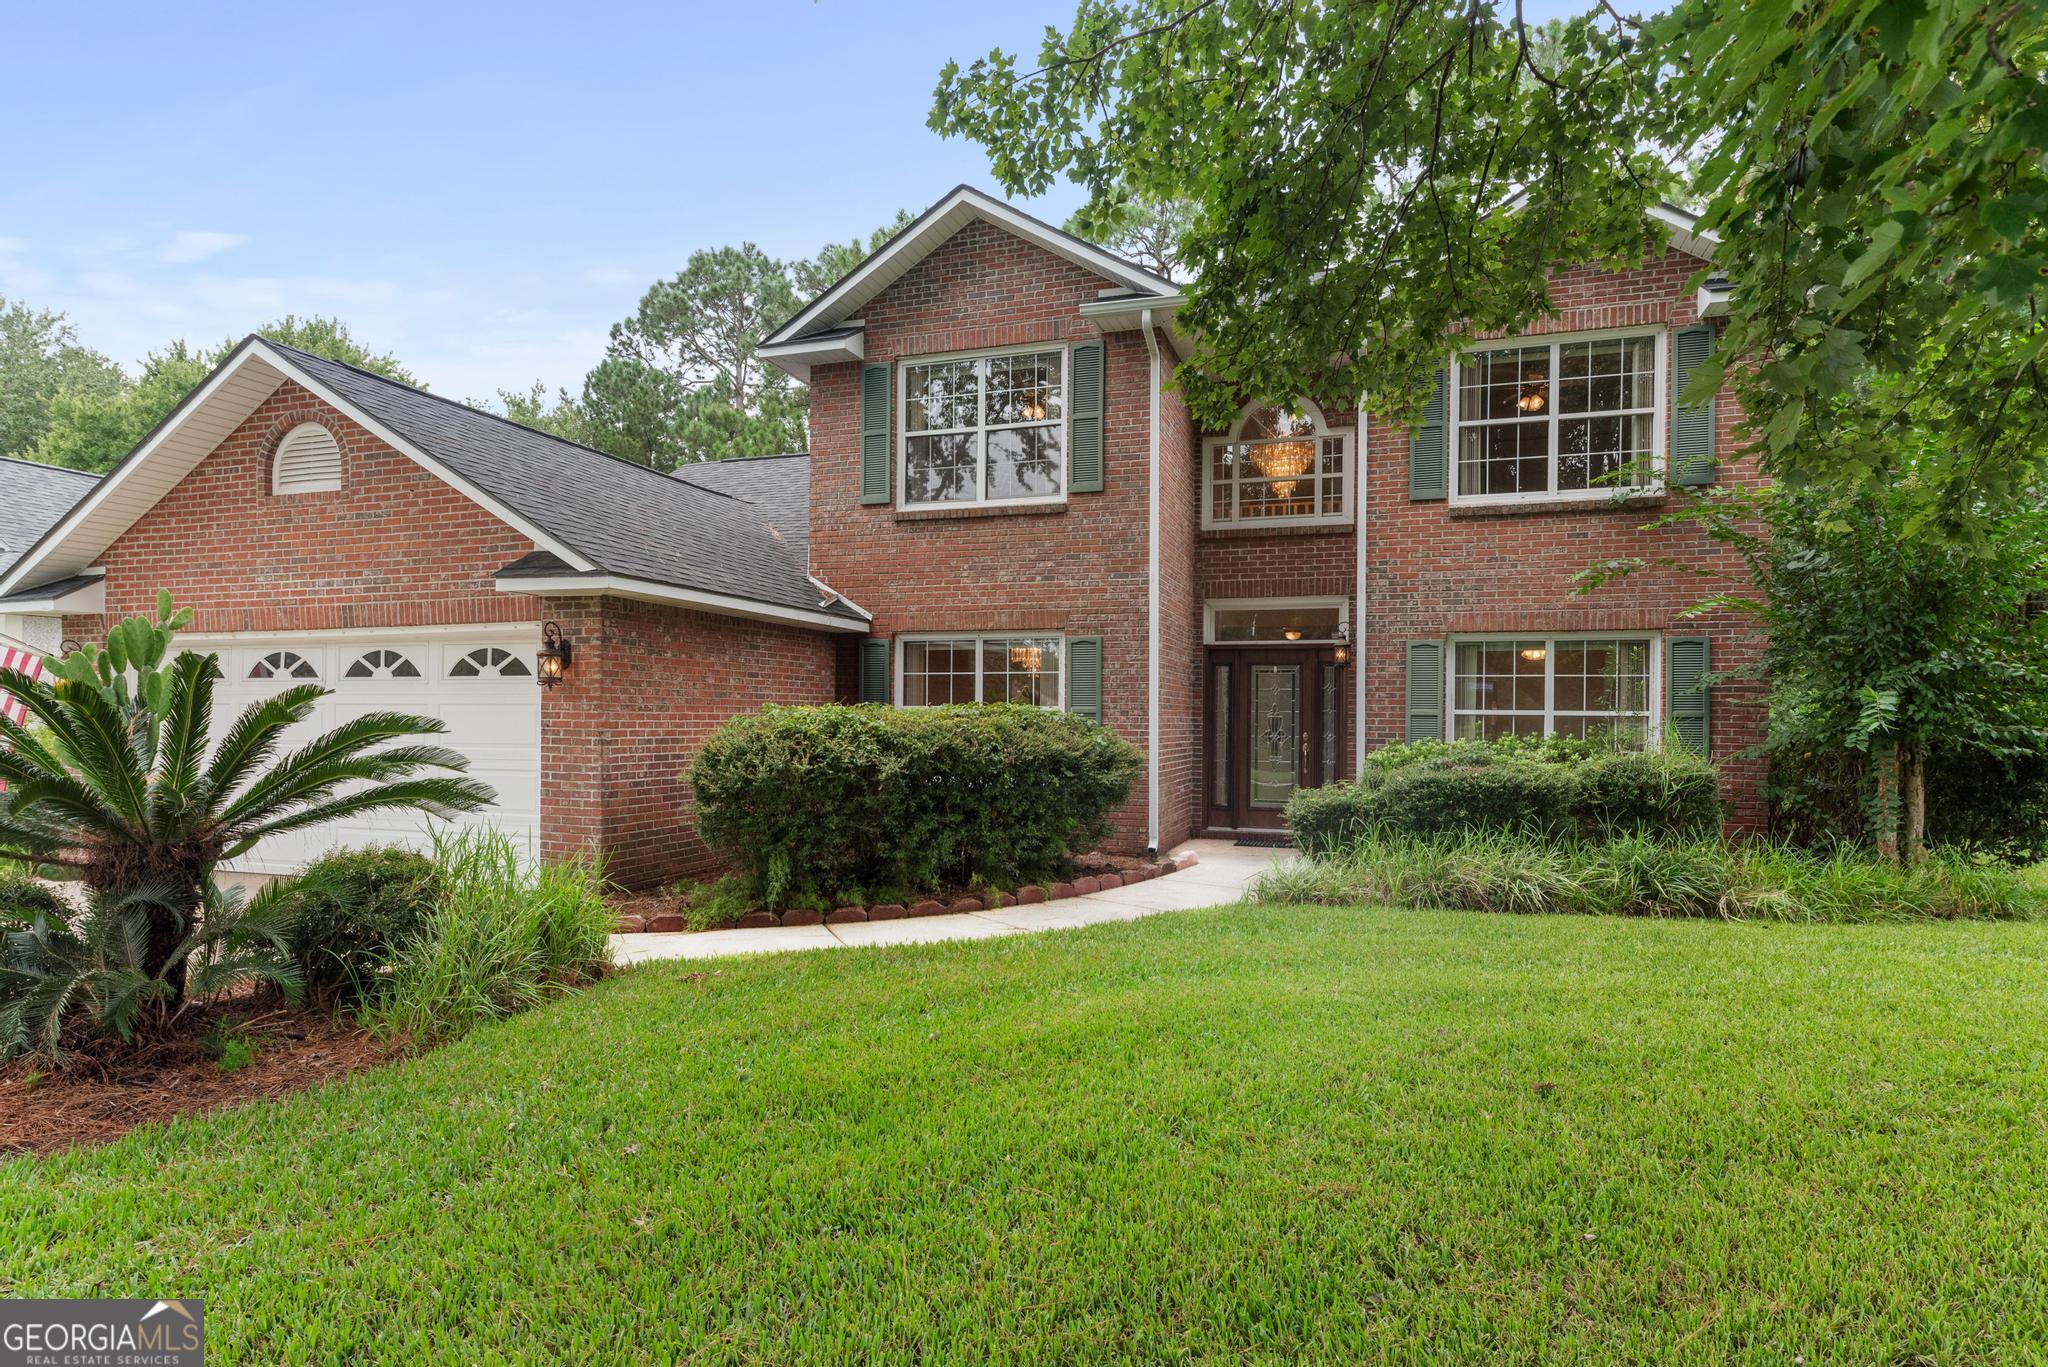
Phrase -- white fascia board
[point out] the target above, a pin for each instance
(1686, 234)
(1713, 300)
(41, 552)
(647, 591)
(933, 228)
(508, 516)
(795, 358)
(85, 598)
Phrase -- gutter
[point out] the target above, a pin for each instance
(1152, 599)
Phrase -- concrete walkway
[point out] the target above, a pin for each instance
(1222, 876)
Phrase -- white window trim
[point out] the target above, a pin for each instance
(1210, 607)
(981, 498)
(978, 637)
(1654, 739)
(1349, 436)
(1659, 419)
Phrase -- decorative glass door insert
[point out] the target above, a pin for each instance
(1276, 734)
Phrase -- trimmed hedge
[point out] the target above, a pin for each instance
(824, 806)
(1541, 790)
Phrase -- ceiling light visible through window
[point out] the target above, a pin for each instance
(1027, 659)
(1533, 654)
(1532, 400)
(1283, 462)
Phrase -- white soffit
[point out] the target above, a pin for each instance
(166, 456)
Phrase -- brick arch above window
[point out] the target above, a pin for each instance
(305, 452)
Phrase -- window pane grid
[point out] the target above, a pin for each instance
(966, 669)
(1539, 686)
(1281, 466)
(984, 429)
(1565, 417)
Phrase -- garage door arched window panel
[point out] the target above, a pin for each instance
(283, 664)
(382, 664)
(490, 662)
(308, 461)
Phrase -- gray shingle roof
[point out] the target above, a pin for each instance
(32, 499)
(624, 518)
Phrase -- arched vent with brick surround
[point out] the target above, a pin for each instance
(308, 461)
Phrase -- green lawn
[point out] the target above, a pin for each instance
(1245, 1134)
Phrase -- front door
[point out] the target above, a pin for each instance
(1275, 719)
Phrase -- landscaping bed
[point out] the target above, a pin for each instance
(102, 1093)
(668, 912)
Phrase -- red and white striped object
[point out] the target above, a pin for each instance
(27, 662)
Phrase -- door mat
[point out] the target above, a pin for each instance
(1266, 842)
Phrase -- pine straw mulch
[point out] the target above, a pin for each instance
(102, 1091)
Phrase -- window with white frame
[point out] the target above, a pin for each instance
(950, 669)
(1582, 687)
(1279, 464)
(1568, 417)
(984, 429)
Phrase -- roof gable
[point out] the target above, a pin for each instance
(965, 204)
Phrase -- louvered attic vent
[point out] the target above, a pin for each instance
(308, 461)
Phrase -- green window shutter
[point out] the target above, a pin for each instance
(875, 465)
(1428, 467)
(1084, 420)
(1692, 429)
(1685, 670)
(1425, 690)
(874, 670)
(1084, 676)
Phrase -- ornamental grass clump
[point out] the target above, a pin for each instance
(505, 935)
(1645, 876)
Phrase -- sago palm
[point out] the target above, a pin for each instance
(115, 776)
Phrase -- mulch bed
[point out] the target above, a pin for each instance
(663, 912)
(102, 1092)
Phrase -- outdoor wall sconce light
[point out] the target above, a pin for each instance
(554, 655)
(1343, 645)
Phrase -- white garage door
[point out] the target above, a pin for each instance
(481, 687)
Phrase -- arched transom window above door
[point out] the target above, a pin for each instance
(1281, 463)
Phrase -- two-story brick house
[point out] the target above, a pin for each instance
(1004, 499)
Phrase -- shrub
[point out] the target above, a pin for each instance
(1538, 788)
(23, 898)
(811, 802)
(1640, 876)
(1977, 804)
(504, 936)
(1670, 791)
(93, 966)
(352, 909)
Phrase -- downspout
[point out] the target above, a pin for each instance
(1358, 642)
(1152, 601)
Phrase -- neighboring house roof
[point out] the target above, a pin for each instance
(827, 330)
(33, 497)
(612, 526)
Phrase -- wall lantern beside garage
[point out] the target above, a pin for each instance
(554, 655)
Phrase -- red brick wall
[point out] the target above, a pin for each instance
(1078, 567)
(646, 685)
(394, 546)
(1435, 569)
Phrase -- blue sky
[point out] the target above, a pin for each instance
(481, 190)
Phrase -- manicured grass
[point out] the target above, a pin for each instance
(1247, 1134)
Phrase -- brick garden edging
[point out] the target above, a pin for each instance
(1030, 895)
